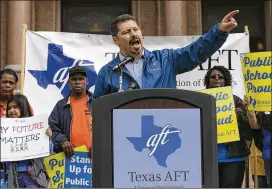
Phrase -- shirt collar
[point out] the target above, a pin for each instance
(89, 97)
(122, 57)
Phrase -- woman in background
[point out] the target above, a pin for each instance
(232, 155)
(8, 83)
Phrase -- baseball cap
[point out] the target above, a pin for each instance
(76, 70)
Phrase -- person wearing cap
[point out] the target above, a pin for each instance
(70, 120)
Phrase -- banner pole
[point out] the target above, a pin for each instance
(255, 167)
(24, 29)
(246, 31)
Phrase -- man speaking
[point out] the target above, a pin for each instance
(156, 69)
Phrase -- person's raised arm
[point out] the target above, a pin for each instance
(196, 53)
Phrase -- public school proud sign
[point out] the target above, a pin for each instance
(227, 127)
(257, 72)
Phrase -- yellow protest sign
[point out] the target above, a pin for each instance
(227, 127)
(55, 166)
(257, 76)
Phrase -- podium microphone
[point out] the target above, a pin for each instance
(129, 58)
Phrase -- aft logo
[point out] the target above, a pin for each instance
(160, 141)
(58, 66)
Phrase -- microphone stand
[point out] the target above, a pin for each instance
(121, 80)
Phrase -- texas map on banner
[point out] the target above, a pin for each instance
(50, 55)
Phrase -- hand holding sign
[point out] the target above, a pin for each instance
(246, 102)
(250, 113)
(68, 149)
(48, 132)
(238, 112)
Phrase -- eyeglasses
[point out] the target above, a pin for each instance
(219, 76)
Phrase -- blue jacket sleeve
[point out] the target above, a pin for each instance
(54, 122)
(99, 83)
(187, 58)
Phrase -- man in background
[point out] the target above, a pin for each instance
(71, 120)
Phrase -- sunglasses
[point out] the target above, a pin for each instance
(219, 77)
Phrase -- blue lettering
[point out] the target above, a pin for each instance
(58, 177)
(259, 89)
(2, 182)
(223, 121)
(224, 108)
(60, 185)
(257, 63)
(221, 96)
(257, 75)
(55, 162)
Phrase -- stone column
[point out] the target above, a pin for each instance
(48, 15)
(194, 18)
(175, 18)
(19, 13)
(146, 16)
(4, 32)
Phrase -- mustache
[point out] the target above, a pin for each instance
(134, 39)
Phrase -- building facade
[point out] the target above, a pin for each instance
(155, 17)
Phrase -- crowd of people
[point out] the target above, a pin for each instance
(70, 122)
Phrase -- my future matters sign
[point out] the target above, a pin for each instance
(24, 138)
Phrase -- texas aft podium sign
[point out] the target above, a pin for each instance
(163, 138)
(158, 148)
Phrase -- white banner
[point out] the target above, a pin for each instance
(24, 138)
(49, 56)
